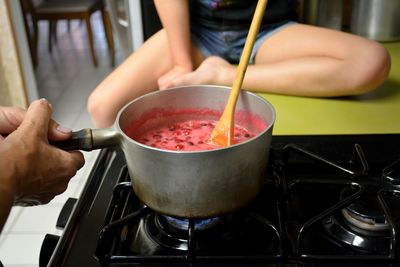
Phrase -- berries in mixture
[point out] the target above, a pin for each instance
(190, 135)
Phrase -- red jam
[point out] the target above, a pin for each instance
(188, 130)
(188, 135)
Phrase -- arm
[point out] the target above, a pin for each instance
(174, 15)
(31, 170)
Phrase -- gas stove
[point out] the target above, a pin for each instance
(327, 200)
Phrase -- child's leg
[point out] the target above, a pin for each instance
(136, 76)
(304, 60)
(314, 61)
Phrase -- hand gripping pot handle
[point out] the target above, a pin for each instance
(90, 139)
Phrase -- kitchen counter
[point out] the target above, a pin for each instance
(375, 112)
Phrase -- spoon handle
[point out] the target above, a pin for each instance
(248, 48)
(223, 133)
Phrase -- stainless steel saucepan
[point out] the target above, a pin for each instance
(189, 184)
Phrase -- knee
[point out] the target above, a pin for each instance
(99, 113)
(371, 69)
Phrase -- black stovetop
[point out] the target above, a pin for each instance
(326, 201)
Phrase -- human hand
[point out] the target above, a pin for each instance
(34, 171)
(166, 80)
(12, 117)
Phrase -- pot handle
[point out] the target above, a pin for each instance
(90, 139)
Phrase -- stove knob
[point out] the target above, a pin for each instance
(65, 213)
(46, 251)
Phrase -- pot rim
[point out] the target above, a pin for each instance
(127, 138)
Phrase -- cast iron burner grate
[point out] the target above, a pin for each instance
(297, 218)
(346, 241)
(126, 239)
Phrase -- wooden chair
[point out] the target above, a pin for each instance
(54, 10)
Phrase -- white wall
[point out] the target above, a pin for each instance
(23, 49)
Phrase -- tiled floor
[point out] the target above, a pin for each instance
(65, 77)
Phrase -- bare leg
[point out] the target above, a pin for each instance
(305, 60)
(136, 76)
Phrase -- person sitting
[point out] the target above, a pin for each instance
(201, 43)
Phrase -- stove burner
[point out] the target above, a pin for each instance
(163, 234)
(183, 224)
(364, 223)
(365, 213)
(366, 241)
(172, 232)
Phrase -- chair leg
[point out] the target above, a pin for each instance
(29, 37)
(109, 35)
(49, 44)
(90, 37)
(35, 42)
(54, 32)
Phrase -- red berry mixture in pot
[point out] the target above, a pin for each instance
(188, 129)
(187, 135)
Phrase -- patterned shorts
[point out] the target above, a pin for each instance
(229, 44)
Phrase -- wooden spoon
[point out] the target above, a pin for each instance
(223, 135)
